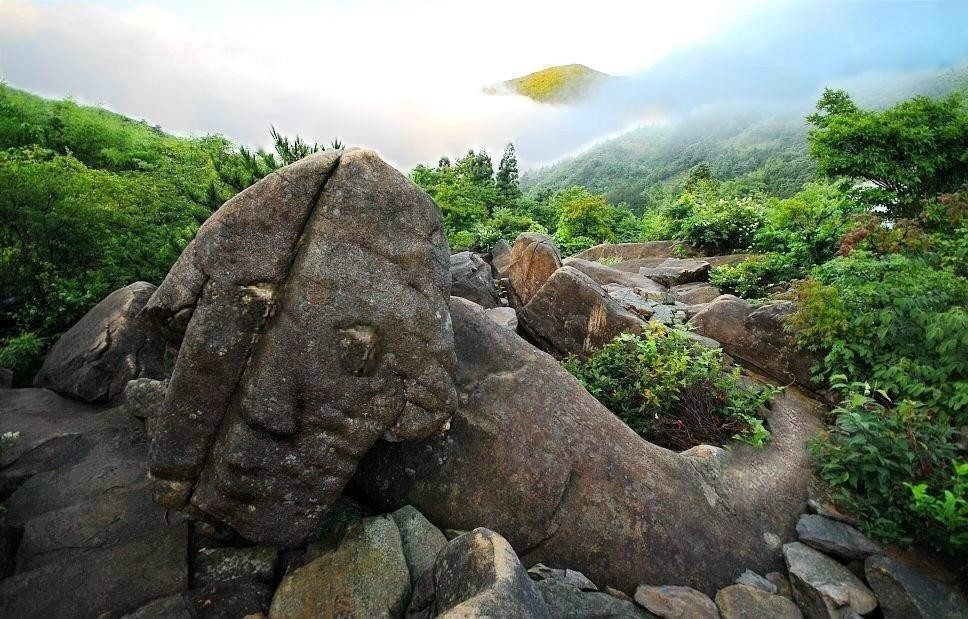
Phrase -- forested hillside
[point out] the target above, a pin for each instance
(91, 201)
(757, 146)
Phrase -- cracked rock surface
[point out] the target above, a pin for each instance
(311, 311)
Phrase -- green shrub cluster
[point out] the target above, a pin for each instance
(672, 390)
(755, 277)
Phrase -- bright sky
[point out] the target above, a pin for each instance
(403, 77)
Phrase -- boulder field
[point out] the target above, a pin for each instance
(313, 426)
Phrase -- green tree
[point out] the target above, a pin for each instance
(507, 174)
(584, 214)
(909, 152)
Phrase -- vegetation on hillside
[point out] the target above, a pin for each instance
(561, 84)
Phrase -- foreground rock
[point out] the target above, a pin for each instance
(905, 593)
(572, 314)
(824, 588)
(834, 538)
(531, 454)
(566, 600)
(365, 576)
(744, 601)
(477, 575)
(606, 275)
(92, 540)
(676, 602)
(470, 278)
(312, 313)
(109, 346)
(756, 335)
(534, 257)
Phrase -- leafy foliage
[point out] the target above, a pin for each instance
(753, 278)
(948, 511)
(23, 355)
(672, 390)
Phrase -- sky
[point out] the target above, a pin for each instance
(405, 77)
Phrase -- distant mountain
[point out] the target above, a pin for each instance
(760, 145)
(568, 83)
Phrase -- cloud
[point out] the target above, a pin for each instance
(405, 78)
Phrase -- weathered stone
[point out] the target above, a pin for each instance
(477, 575)
(904, 593)
(727, 259)
(695, 293)
(663, 314)
(168, 607)
(365, 576)
(568, 601)
(109, 346)
(822, 587)
(834, 538)
(674, 602)
(421, 540)
(746, 602)
(144, 397)
(757, 336)
(540, 571)
(219, 565)
(237, 598)
(634, 251)
(532, 454)
(675, 271)
(505, 317)
(573, 314)
(316, 311)
(752, 579)
(6, 378)
(782, 584)
(604, 275)
(470, 278)
(534, 257)
(501, 259)
(632, 302)
(340, 515)
(9, 542)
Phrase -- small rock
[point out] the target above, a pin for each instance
(564, 600)
(822, 587)
(421, 540)
(663, 314)
(631, 301)
(782, 584)
(675, 271)
(753, 579)
(741, 601)
(696, 292)
(366, 575)
(470, 278)
(504, 316)
(673, 602)
(905, 593)
(834, 538)
(477, 575)
(219, 565)
(540, 572)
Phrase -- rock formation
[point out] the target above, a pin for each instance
(531, 455)
(534, 257)
(312, 315)
(109, 346)
(470, 278)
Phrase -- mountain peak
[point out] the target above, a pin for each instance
(568, 83)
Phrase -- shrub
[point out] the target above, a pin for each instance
(723, 226)
(571, 245)
(462, 240)
(23, 354)
(872, 448)
(947, 512)
(895, 321)
(752, 279)
(673, 391)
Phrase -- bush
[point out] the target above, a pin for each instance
(723, 226)
(24, 354)
(673, 391)
(895, 321)
(946, 512)
(872, 448)
(752, 279)
(462, 240)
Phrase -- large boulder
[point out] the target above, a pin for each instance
(757, 336)
(470, 278)
(501, 259)
(477, 575)
(824, 588)
(312, 309)
(624, 252)
(572, 314)
(109, 346)
(605, 275)
(532, 455)
(905, 593)
(534, 257)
